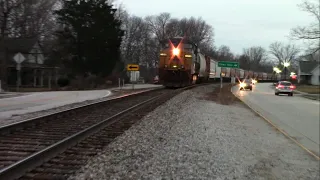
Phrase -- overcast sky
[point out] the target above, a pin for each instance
(237, 23)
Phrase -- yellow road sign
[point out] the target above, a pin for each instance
(132, 67)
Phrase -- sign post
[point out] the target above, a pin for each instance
(133, 67)
(227, 64)
(221, 81)
(18, 58)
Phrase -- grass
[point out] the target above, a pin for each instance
(309, 89)
(312, 97)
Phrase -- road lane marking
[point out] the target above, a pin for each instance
(108, 94)
(282, 131)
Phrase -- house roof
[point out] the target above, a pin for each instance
(15, 45)
(308, 66)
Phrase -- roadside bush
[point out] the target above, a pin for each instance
(62, 82)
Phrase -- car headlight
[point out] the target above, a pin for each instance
(242, 84)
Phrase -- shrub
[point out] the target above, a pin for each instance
(62, 82)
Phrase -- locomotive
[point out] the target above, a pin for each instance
(182, 64)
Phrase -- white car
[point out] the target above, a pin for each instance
(284, 87)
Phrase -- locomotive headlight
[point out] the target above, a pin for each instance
(176, 51)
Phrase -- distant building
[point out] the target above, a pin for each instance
(309, 72)
(29, 47)
(34, 73)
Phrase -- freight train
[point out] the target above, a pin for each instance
(182, 64)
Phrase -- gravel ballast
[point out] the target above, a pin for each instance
(192, 138)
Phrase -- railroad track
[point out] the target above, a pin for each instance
(57, 145)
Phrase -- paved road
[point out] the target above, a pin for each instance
(33, 102)
(45, 100)
(297, 116)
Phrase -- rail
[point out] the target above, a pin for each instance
(30, 162)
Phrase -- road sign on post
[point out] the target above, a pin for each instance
(132, 67)
(226, 64)
(18, 58)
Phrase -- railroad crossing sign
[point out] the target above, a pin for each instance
(226, 64)
(132, 67)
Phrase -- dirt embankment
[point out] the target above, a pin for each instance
(222, 96)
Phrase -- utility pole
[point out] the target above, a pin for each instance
(3, 70)
(3, 48)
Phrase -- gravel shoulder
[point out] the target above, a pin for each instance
(193, 136)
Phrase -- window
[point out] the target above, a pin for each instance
(286, 83)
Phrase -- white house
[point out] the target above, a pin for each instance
(309, 72)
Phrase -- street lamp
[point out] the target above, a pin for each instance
(278, 71)
(285, 64)
(275, 69)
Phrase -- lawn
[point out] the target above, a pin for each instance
(309, 89)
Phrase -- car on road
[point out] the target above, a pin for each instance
(246, 84)
(254, 81)
(284, 87)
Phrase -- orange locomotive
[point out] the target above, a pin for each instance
(181, 63)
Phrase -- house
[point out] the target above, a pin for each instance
(309, 72)
(29, 47)
(33, 70)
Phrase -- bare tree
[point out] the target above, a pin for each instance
(312, 57)
(196, 30)
(7, 8)
(134, 40)
(33, 19)
(158, 24)
(173, 28)
(311, 32)
(284, 53)
(199, 31)
(256, 56)
(224, 54)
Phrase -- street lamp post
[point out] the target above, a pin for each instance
(285, 64)
(275, 69)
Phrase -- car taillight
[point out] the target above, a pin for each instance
(280, 86)
(292, 87)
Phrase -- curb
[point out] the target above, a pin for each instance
(280, 130)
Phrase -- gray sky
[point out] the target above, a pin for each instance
(237, 23)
